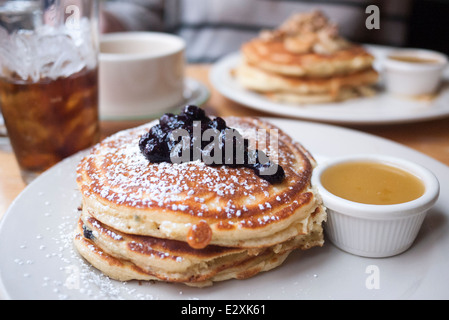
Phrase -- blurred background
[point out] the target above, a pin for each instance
(428, 25)
(214, 28)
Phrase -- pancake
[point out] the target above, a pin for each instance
(190, 222)
(273, 56)
(316, 98)
(307, 44)
(196, 203)
(129, 257)
(306, 61)
(124, 270)
(257, 79)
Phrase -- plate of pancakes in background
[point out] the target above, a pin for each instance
(305, 69)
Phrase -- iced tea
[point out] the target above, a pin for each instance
(50, 120)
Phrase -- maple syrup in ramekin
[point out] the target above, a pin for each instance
(372, 183)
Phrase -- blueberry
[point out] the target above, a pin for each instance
(193, 113)
(87, 233)
(169, 122)
(218, 123)
(266, 171)
(157, 146)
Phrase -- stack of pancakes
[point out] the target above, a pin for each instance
(305, 60)
(189, 222)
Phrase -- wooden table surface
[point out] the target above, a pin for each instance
(428, 137)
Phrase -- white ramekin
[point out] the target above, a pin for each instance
(376, 230)
(413, 79)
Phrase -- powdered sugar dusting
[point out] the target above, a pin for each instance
(121, 174)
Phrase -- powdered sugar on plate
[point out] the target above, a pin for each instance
(44, 263)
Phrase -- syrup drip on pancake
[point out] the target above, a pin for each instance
(158, 144)
(199, 235)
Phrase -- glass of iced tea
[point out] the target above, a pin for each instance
(49, 79)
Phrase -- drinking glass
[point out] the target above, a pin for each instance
(49, 79)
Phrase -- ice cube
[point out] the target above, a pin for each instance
(48, 52)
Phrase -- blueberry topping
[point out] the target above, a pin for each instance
(88, 234)
(178, 135)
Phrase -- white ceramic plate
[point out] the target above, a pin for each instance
(195, 93)
(382, 108)
(38, 260)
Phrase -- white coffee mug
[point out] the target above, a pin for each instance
(141, 74)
